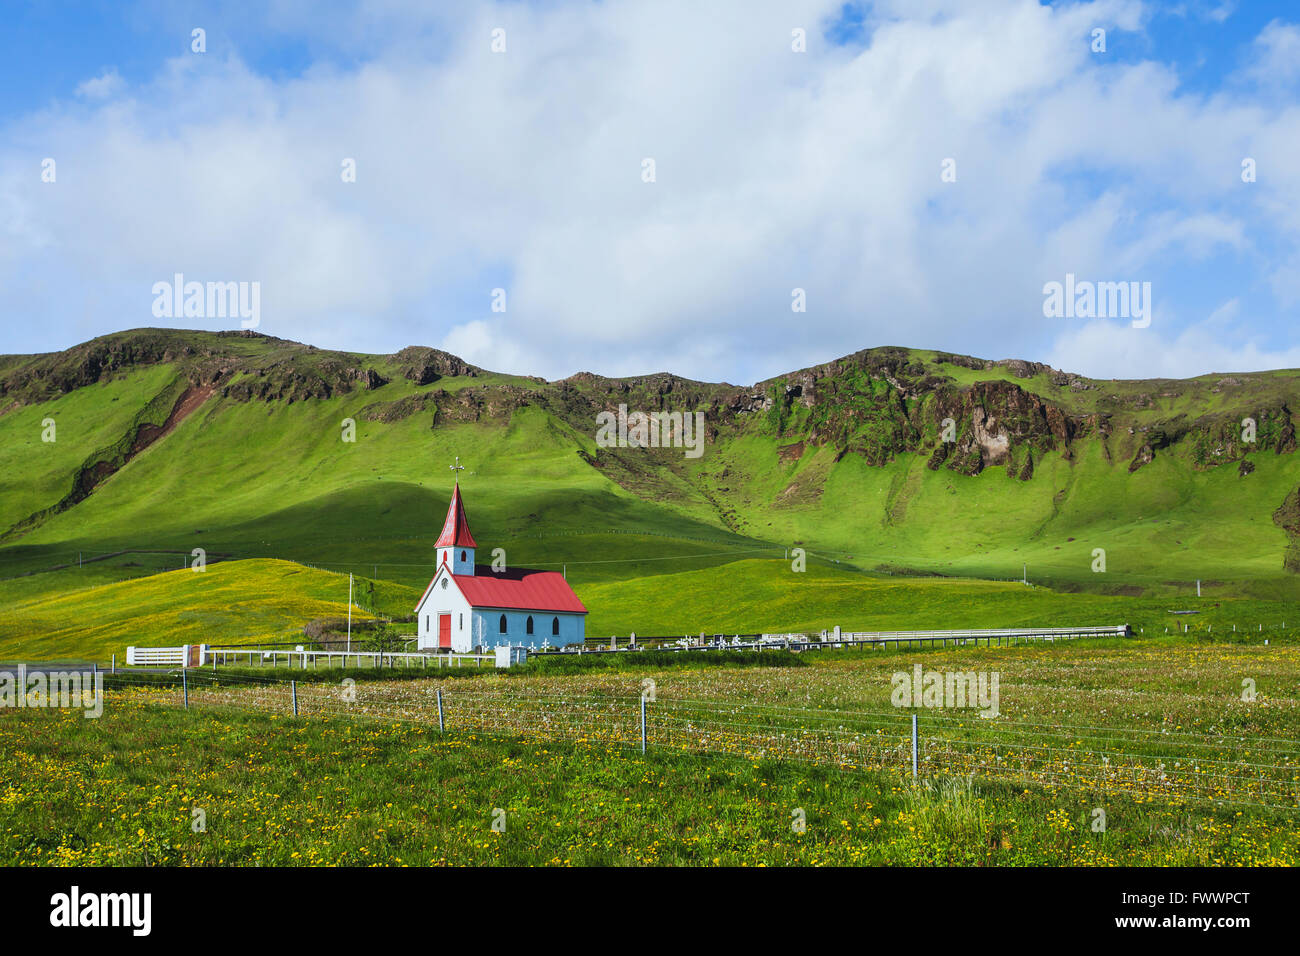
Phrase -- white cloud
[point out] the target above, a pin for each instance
(1113, 350)
(1276, 59)
(102, 87)
(775, 170)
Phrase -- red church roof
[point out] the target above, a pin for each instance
(514, 589)
(455, 530)
(519, 588)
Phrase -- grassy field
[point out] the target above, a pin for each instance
(752, 596)
(88, 613)
(338, 788)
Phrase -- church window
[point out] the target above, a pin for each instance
(555, 626)
(503, 623)
(462, 555)
(529, 627)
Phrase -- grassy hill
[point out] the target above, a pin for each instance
(169, 440)
(232, 602)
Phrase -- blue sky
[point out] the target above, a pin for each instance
(48, 49)
(776, 170)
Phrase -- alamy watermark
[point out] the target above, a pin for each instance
(179, 299)
(954, 689)
(1083, 299)
(651, 430)
(44, 688)
(133, 911)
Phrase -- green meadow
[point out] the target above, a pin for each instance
(384, 786)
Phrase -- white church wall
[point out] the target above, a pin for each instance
(471, 628)
(442, 600)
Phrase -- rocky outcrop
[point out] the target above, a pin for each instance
(291, 381)
(424, 366)
(882, 403)
(1287, 517)
(1146, 454)
(281, 371)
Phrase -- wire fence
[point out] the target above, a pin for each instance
(1146, 764)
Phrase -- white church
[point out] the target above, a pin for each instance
(465, 606)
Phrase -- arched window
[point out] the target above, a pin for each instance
(555, 626)
(462, 555)
(503, 623)
(528, 628)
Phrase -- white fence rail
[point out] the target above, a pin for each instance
(160, 656)
(997, 635)
(837, 639)
(203, 654)
(304, 660)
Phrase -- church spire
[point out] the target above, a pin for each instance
(455, 530)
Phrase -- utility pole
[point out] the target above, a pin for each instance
(349, 611)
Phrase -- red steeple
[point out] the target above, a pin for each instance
(455, 530)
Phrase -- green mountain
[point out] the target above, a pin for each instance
(164, 441)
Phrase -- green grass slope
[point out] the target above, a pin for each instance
(1161, 528)
(228, 603)
(34, 472)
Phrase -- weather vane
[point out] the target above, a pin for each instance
(458, 466)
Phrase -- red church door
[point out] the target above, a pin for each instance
(444, 630)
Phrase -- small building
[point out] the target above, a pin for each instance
(467, 605)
